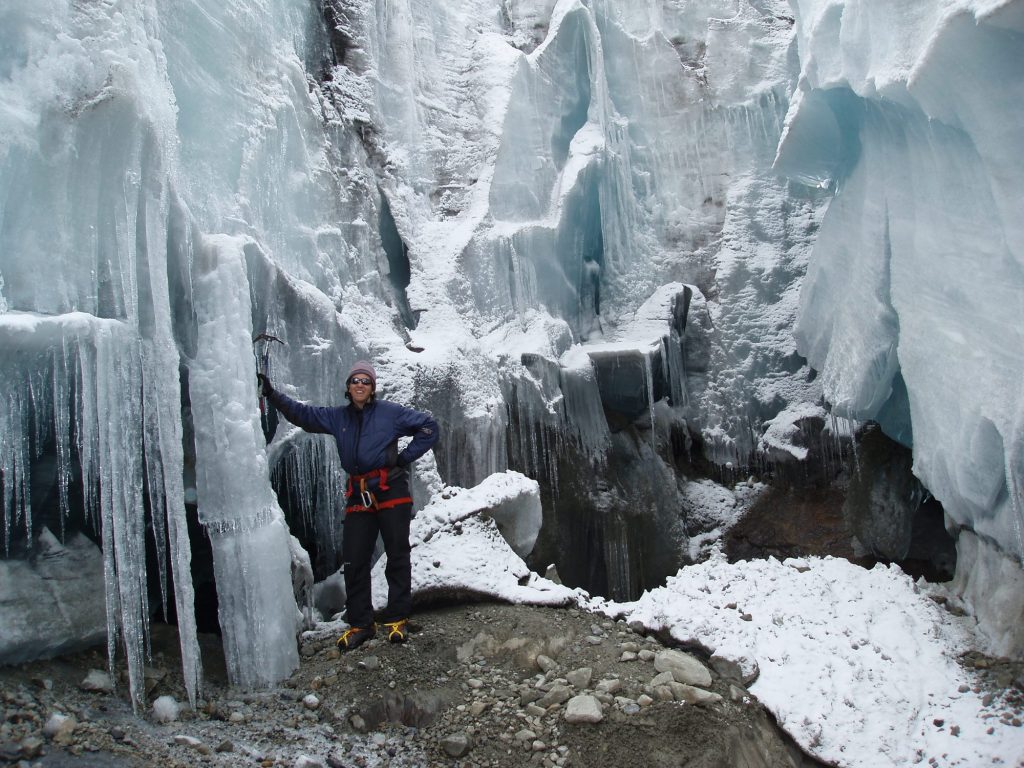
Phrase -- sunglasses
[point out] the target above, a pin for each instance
(360, 380)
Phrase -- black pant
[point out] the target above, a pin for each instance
(360, 538)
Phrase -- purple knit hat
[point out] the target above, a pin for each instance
(364, 368)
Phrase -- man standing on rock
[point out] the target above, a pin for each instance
(378, 499)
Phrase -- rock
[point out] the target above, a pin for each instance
(456, 744)
(311, 702)
(737, 694)
(546, 663)
(305, 761)
(726, 668)
(358, 723)
(557, 695)
(662, 678)
(663, 693)
(692, 695)
(646, 655)
(644, 700)
(627, 656)
(684, 668)
(609, 685)
(583, 709)
(31, 747)
(9, 751)
(236, 717)
(334, 761)
(529, 695)
(152, 677)
(580, 678)
(370, 662)
(477, 708)
(225, 746)
(97, 681)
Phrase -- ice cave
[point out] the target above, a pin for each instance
(627, 249)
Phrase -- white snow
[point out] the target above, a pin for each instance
(859, 666)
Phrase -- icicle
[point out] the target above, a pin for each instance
(62, 429)
(251, 556)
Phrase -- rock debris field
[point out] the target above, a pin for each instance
(476, 685)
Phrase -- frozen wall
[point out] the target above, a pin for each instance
(913, 302)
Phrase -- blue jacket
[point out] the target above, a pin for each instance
(367, 439)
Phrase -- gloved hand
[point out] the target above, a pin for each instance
(266, 388)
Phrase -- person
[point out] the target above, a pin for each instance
(378, 498)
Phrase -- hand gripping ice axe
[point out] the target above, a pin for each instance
(261, 352)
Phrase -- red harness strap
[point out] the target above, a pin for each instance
(370, 503)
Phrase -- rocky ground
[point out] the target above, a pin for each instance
(476, 685)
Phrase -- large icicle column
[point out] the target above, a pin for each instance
(237, 504)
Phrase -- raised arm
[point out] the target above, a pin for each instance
(311, 418)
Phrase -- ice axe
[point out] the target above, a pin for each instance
(261, 345)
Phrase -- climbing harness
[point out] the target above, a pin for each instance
(261, 352)
(367, 497)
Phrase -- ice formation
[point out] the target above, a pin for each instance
(913, 302)
(577, 231)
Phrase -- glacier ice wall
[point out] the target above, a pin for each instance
(913, 302)
(575, 230)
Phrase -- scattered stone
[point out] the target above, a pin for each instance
(311, 702)
(225, 746)
(580, 678)
(191, 741)
(31, 747)
(456, 744)
(333, 761)
(10, 752)
(627, 656)
(477, 708)
(609, 685)
(236, 717)
(370, 662)
(594, 640)
(305, 761)
(646, 655)
(558, 694)
(692, 695)
(117, 734)
(644, 700)
(525, 735)
(584, 709)
(546, 663)
(684, 668)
